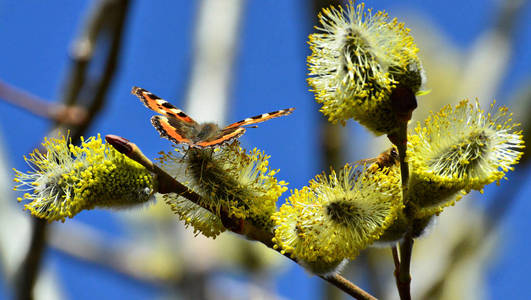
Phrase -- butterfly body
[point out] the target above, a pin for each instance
(179, 128)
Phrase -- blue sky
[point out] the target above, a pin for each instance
(270, 72)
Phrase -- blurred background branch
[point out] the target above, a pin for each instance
(69, 115)
(331, 136)
(212, 70)
(106, 19)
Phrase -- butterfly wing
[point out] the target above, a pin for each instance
(224, 135)
(235, 130)
(174, 129)
(261, 118)
(161, 106)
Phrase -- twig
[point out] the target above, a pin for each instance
(83, 47)
(396, 259)
(348, 287)
(403, 103)
(70, 115)
(112, 13)
(168, 184)
(27, 275)
(107, 18)
(404, 273)
(402, 267)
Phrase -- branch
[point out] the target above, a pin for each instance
(107, 18)
(27, 274)
(402, 267)
(112, 13)
(70, 115)
(403, 103)
(348, 287)
(168, 184)
(403, 280)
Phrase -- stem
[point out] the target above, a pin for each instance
(348, 287)
(404, 277)
(396, 259)
(400, 141)
(402, 266)
(168, 184)
(29, 269)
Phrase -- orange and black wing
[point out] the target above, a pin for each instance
(161, 106)
(262, 118)
(224, 136)
(173, 129)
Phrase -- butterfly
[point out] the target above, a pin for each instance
(179, 128)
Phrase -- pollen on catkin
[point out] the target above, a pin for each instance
(67, 179)
(460, 149)
(358, 59)
(231, 180)
(338, 215)
(201, 219)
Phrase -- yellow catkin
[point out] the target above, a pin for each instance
(460, 148)
(230, 179)
(67, 179)
(337, 216)
(358, 59)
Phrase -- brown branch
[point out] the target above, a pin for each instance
(348, 287)
(70, 115)
(402, 267)
(29, 270)
(108, 17)
(396, 259)
(83, 48)
(403, 103)
(403, 280)
(168, 184)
